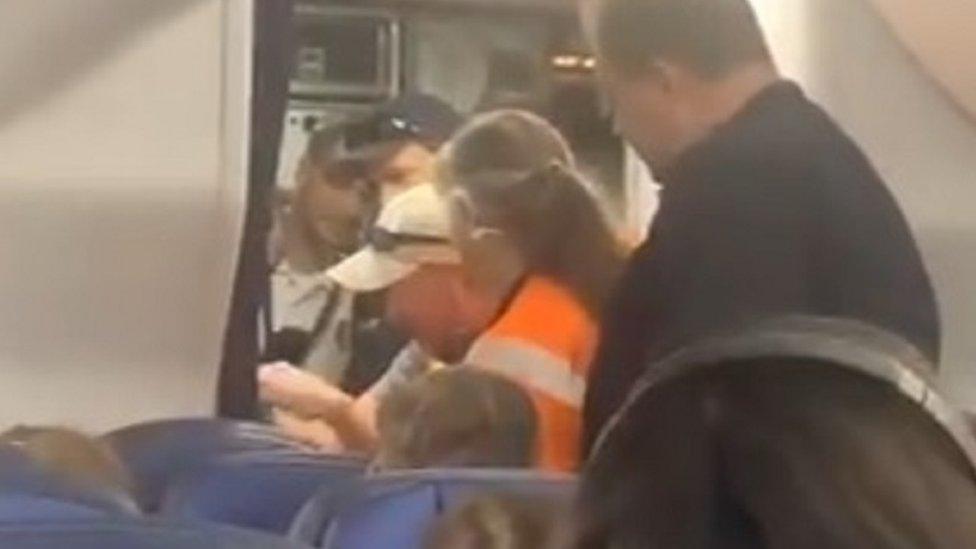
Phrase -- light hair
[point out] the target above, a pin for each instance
(498, 523)
(457, 417)
(72, 456)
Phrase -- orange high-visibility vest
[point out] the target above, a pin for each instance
(544, 342)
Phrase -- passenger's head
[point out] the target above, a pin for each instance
(665, 63)
(331, 199)
(457, 417)
(776, 454)
(75, 458)
(410, 255)
(400, 140)
(498, 523)
(519, 205)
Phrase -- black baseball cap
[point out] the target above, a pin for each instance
(410, 117)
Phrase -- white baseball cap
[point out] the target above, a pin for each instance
(411, 231)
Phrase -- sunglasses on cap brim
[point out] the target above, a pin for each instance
(381, 129)
(386, 241)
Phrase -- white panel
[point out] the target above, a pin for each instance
(121, 191)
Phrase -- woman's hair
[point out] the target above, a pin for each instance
(72, 456)
(457, 417)
(519, 174)
(498, 523)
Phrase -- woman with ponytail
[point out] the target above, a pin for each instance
(533, 237)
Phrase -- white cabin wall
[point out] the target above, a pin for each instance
(123, 144)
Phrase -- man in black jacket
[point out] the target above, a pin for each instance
(768, 206)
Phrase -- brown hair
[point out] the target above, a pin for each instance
(497, 523)
(72, 456)
(458, 417)
(520, 174)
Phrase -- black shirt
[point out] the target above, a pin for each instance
(777, 212)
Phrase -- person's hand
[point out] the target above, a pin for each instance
(310, 432)
(299, 392)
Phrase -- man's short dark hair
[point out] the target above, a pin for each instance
(711, 37)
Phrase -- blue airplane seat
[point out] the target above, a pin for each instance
(258, 490)
(159, 452)
(395, 510)
(29, 493)
(135, 534)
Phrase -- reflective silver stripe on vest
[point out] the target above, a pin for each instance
(530, 365)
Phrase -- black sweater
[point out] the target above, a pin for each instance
(777, 212)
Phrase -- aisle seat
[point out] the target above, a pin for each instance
(395, 510)
(260, 490)
(160, 452)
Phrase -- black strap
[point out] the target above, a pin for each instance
(845, 343)
(273, 48)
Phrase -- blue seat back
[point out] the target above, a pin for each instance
(29, 493)
(259, 490)
(133, 534)
(159, 452)
(395, 510)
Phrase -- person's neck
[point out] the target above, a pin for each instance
(717, 103)
(305, 253)
(498, 284)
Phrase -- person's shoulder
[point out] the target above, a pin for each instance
(545, 310)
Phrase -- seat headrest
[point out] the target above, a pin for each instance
(21, 480)
(134, 534)
(258, 490)
(848, 344)
(396, 509)
(157, 452)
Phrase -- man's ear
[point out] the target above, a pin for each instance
(663, 74)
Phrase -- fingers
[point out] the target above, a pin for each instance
(310, 432)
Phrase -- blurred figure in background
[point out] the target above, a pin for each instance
(767, 206)
(315, 227)
(499, 523)
(73, 457)
(534, 238)
(457, 417)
